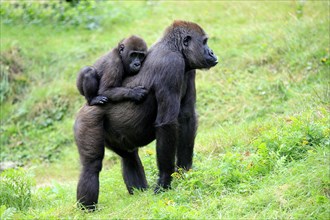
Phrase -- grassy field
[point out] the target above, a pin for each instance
(263, 144)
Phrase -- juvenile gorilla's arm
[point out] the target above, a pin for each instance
(117, 94)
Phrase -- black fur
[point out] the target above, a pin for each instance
(102, 82)
(133, 172)
(167, 114)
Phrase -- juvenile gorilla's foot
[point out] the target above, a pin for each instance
(99, 100)
(138, 93)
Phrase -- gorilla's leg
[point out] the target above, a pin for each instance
(187, 133)
(132, 168)
(187, 126)
(88, 131)
(133, 172)
(88, 185)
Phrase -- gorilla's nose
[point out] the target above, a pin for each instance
(137, 64)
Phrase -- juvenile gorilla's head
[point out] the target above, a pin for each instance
(132, 51)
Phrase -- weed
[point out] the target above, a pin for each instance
(16, 187)
(300, 8)
(13, 81)
(56, 12)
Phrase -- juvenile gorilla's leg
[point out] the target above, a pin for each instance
(187, 126)
(88, 85)
(133, 172)
(88, 131)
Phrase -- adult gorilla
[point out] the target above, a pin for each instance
(167, 114)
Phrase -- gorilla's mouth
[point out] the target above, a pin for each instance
(135, 69)
(212, 63)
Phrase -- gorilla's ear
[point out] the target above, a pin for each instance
(186, 40)
(121, 48)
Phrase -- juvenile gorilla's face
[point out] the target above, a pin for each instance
(136, 59)
(197, 52)
(132, 51)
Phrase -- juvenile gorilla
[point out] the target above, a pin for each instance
(103, 81)
(167, 115)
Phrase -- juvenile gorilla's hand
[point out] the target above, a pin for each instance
(138, 93)
(99, 100)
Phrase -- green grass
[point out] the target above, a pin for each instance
(263, 143)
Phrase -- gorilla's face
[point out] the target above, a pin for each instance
(135, 60)
(132, 51)
(197, 52)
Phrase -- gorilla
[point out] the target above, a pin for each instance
(103, 81)
(167, 115)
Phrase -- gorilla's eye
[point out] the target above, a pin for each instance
(134, 55)
(186, 41)
(140, 56)
(205, 41)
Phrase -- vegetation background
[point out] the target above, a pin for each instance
(262, 149)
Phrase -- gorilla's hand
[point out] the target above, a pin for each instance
(99, 100)
(138, 93)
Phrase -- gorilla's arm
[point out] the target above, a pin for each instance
(117, 94)
(168, 96)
